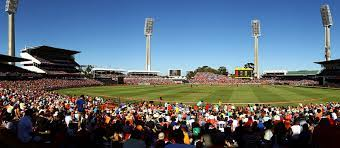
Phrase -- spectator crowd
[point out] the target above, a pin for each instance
(216, 79)
(35, 115)
(144, 80)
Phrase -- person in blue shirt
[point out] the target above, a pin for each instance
(81, 104)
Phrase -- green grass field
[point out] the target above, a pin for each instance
(227, 94)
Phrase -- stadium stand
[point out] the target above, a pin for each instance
(291, 75)
(141, 77)
(142, 73)
(105, 73)
(208, 78)
(51, 61)
(274, 73)
(147, 80)
(330, 74)
(211, 78)
(109, 76)
(13, 72)
(33, 117)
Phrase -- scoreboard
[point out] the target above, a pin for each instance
(244, 73)
(174, 72)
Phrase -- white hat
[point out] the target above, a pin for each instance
(9, 109)
(55, 114)
(245, 120)
(266, 118)
(161, 136)
(276, 117)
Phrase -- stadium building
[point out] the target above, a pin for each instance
(330, 73)
(51, 61)
(109, 76)
(274, 73)
(8, 71)
(143, 73)
(290, 75)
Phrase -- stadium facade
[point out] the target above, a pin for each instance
(9, 71)
(50, 61)
(330, 73)
(290, 75)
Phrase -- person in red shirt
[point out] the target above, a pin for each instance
(195, 107)
(207, 106)
(169, 107)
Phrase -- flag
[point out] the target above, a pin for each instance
(199, 103)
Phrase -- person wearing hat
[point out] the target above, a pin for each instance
(7, 115)
(160, 143)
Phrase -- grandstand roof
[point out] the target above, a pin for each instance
(143, 71)
(329, 62)
(275, 71)
(6, 58)
(49, 49)
(302, 72)
(12, 68)
(108, 69)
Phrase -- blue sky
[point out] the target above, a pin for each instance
(187, 33)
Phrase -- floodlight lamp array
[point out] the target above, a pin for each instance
(148, 26)
(256, 27)
(326, 15)
(11, 6)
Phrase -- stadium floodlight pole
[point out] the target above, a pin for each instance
(327, 23)
(256, 34)
(11, 8)
(148, 32)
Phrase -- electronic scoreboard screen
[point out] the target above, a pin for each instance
(174, 72)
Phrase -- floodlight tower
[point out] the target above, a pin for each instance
(256, 34)
(11, 9)
(327, 23)
(148, 32)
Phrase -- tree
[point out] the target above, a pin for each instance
(86, 70)
(222, 70)
(249, 65)
(206, 69)
(190, 74)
